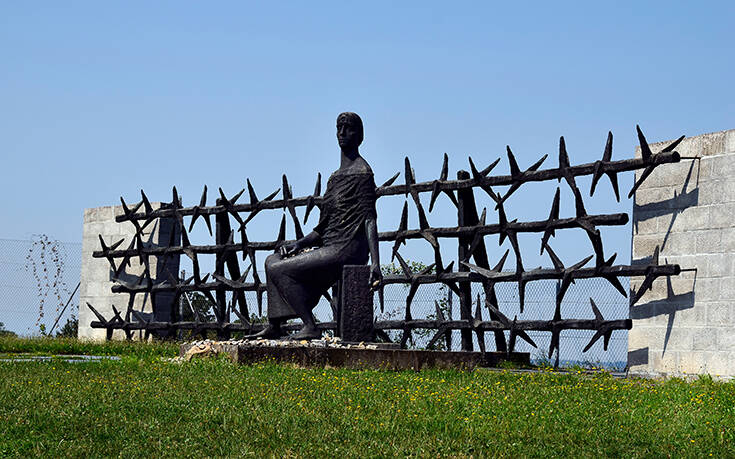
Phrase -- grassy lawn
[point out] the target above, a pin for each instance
(143, 406)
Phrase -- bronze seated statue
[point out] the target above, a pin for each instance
(299, 273)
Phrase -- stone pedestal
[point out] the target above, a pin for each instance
(686, 324)
(97, 275)
(356, 316)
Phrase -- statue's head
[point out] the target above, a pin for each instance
(349, 130)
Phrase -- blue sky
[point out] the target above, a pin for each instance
(101, 99)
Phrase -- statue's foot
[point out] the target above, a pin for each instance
(306, 333)
(269, 332)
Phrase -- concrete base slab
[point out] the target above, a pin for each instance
(367, 356)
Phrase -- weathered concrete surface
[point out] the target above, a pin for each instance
(686, 325)
(96, 275)
(361, 358)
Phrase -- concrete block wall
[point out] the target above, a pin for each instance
(686, 324)
(97, 275)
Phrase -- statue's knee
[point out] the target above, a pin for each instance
(271, 264)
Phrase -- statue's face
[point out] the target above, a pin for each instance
(348, 134)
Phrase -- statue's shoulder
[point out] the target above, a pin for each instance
(361, 166)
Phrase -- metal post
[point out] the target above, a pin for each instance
(222, 234)
(465, 288)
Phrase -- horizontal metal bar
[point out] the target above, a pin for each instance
(441, 232)
(457, 276)
(422, 187)
(526, 325)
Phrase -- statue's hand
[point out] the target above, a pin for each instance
(289, 249)
(376, 275)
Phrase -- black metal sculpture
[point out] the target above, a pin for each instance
(473, 263)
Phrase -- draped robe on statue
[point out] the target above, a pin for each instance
(303, 278)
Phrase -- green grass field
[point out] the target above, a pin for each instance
(144, 406)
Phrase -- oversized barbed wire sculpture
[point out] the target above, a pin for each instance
(469, 235)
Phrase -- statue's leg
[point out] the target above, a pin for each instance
(301, 280)
(278, 310)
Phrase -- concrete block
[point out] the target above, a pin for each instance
(708, 241)
(645, 245)
(666, 363)
(691, 218)
(704, 339)
(717, 363)
(718, 314)
(679, 244)
(670, 175)
(724, 165)
(707, 289)
(692, 363)
(722, 216)
(726, 339)
(688, 316)
(728, 240)
(727, 289)
(650, 199)
(715, 265)
(716, 191)
(730, 141)
(680, 338)
(638, 337)
(647, 226)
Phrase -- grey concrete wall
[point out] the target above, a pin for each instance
(97, 275)
(686, 324)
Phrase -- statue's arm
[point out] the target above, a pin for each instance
(371, 229)
(312, 239)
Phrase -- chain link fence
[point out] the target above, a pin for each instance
(38, 285)
(38, 295)
(539, 304)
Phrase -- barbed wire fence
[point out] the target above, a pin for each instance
(39, 281)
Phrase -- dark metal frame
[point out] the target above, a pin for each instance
(469, 234)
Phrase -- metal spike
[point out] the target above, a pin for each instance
(645, 149)
(402, 226)
(272, 195)
(97, 314)
(599, 165)
(553, 215)
(673, 145)
(445, 168)
(439, 313)
(286, 190)
(475, 173)
(563, 159)
(139, 316)
(404, 266)
(435, 190)
(558, 265)
(390, 181)
(282, 230)
(251, 192)
(234, 199)
(537, 164)
(500, 264)
(489, 168)
(515, 171)
(644, 175)
(146, 203)
(408, 175)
